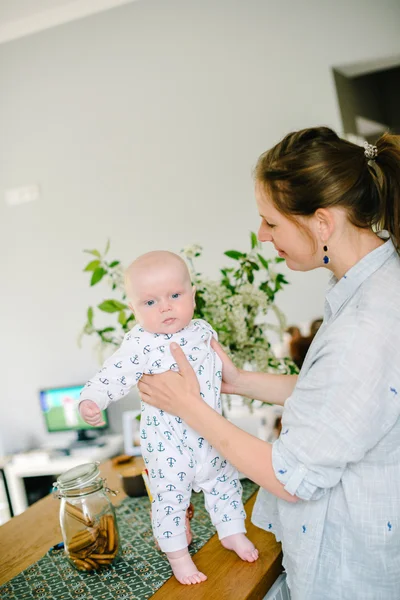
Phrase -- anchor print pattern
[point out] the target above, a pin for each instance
(177, 459)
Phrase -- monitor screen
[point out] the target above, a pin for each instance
(60, 409)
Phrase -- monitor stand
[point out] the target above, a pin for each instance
(83, 440)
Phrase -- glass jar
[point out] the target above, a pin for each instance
(87, 518)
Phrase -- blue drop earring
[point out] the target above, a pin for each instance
(326, 258)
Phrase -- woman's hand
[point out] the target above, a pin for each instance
(174, 392)
(230, 373)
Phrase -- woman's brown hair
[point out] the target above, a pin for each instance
(315, 168)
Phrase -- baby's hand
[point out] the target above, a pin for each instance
(91, 413)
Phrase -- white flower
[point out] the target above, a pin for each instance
(239, 311)
(192, 251)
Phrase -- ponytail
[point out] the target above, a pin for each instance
(387, 177)
(315, 168)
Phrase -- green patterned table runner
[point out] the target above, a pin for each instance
(136, 575)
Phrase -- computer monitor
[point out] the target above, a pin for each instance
(60, 410)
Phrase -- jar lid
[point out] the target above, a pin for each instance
(78, 476)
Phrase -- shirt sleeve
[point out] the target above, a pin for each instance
(347, 401)
(119, 373)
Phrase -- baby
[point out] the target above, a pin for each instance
(178, 460)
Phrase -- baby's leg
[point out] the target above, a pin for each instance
(241, 544)
(189, 535)
(173, 541)
(169, 520)
(171, 487)
(223, 499)
(184, 568)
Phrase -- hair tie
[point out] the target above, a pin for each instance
(370, 151)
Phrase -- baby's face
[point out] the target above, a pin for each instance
(163, 300)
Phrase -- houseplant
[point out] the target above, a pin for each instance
(239, 305)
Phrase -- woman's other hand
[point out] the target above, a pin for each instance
(175, 392)
(230, 373)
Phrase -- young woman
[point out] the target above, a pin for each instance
(331, 482)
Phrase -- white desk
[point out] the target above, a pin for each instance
(5, 500)
(42, 462)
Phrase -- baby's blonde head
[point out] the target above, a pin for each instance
(150, 264)
(160, 291)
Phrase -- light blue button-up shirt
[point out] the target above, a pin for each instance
(339, 449)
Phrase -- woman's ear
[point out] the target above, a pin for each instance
(325, 223)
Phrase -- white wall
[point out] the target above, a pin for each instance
(142, 124)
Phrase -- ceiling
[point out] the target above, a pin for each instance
(367, 66)
(23, 17)
(13, 10)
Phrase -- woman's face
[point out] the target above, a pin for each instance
(296, 245)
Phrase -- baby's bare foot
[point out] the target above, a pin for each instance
(240, 544)
(184, 568)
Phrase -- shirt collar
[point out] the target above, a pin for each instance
(341, 290)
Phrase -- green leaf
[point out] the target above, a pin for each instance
(97, 276)
(279, 259)
(280, 281)
(105, 330)
(234, 254)
(114, 263)
(92, 266)
(111, 306)
(254, 240)
(90, 315)
(107, 339)
(125, 326)
(265, 288)
(263, 261)
(254, 265)
(94, 252)
(122, 318)
(107, 246)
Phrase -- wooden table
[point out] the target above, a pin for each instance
(27, 537)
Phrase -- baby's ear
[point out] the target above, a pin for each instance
(131, 307)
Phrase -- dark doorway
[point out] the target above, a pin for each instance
(369, 97)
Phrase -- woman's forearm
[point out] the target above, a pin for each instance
(266, 387)
(248, 454)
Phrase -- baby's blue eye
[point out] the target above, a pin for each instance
(150, 302)
(175, 295)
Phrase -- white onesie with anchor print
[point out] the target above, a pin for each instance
(177, 458)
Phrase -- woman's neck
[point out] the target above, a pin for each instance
(351, 248)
